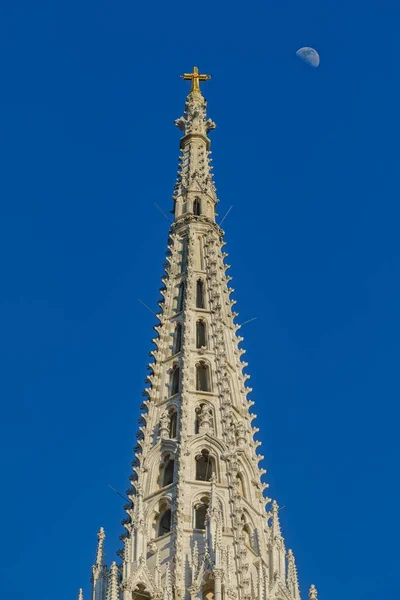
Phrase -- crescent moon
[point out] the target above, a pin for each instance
(309, 56)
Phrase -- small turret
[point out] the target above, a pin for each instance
(292, 579)
(276, 526)
(101, 536)
(113, 583)
(99, 569)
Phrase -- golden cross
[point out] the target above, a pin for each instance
(195, 77)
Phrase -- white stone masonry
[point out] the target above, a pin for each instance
(196, 526)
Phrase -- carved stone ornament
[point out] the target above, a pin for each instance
(210, 534)
(205, 417)
(164, 425)
(152, 549)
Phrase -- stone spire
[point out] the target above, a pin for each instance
(276, 526)
(313, 593)
(101, 536)
(194, 190)
(99, 569)
(113, 583)
(196, 523)
(80, 594)
(292, 580)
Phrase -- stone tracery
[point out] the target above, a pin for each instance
(196, 526)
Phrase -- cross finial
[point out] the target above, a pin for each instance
(195, 78)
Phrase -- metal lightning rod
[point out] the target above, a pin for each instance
(249, 321)
(226, 214)
(111, 488)
(145, 305)
(163, 213)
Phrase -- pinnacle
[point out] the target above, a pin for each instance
(113, 583)
(101, 536)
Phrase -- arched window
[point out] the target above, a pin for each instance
(184, 254)
(167, 471)
(201, 334)
(199, 254)
(199, 294)
(174, 380)
(197, 207)
(200, 513)
(164, 524)
(140, 593)
(173, 422)
(208, 590)
(178, 338)
(181, 293)
(203, 377)
(204, 466)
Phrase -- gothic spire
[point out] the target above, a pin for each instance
(276, 526)
(99, 569)
(80, 594)
(101, 536)
(292, 580)
(197, 525)
(194, 190)
(113, 583)
(313, 593)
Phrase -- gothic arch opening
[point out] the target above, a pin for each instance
(181, 293)
(199, 254)
(200, 294)
(203, 379)
(174, 380)
(140, 593)
(201, 338)
(205, 466)
(164, 522)
(208, 590)
(173, 424)
(183, 253)
(200, 513)
(167, 471)
(178, 338)
(197, 207)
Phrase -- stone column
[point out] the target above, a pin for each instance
(217, 584)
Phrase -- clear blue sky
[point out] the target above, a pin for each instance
(89, 92)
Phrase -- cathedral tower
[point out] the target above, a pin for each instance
(198, 526)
